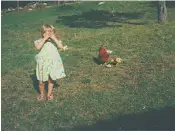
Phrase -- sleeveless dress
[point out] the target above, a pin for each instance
(49, 62)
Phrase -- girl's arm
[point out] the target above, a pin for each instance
(39, 45)
(58, 42)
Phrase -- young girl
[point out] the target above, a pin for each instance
(49, 64)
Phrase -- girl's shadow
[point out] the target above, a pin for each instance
(35, 82)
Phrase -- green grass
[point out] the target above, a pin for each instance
(91, 93)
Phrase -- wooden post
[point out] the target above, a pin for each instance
(162, 11)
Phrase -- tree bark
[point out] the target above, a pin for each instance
(162, 12)
(18, 5)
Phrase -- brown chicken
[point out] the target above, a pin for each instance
(103, 54)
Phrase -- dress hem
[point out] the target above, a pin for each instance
(52, 79)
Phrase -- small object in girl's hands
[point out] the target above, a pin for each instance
(64, 48)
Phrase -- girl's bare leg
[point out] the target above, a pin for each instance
(41, 88)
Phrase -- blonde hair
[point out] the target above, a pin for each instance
(45, 27)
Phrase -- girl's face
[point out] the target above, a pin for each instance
(48, 31)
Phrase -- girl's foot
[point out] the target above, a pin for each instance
(40, 97)
(50, 97)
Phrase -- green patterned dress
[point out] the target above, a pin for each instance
(49, 62)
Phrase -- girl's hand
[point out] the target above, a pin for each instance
(46, 36)
(53, 37)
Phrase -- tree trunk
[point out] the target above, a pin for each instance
(18, 5)
(162, 12)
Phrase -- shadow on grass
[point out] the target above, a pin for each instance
(97, 61)
(99, 19)
(160, 119)
(35, 82)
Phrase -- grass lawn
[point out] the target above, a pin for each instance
(137, 94)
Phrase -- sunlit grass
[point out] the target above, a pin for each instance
(90, 92)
